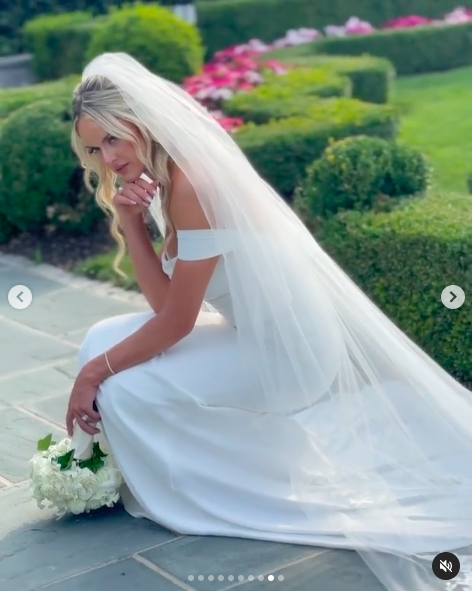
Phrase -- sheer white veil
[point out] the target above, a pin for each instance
(392, 457)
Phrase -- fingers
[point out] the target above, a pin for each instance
(139, 193)
(85, 426)
(86, 418)
(93, 416)
(151, 188)
(70, 422)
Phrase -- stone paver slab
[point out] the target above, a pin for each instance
(76, 336)
(22, 349)
(53, 409)
(71, 309)
(19, 434)
(39, 286)
(194, 556)
(46, 551)
(126, 575)
(38, 384)
(337, 570)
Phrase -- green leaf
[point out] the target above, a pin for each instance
(66, 460)
(43, 444)
(93, 464)
(97, 452)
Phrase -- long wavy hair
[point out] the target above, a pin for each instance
(100, 100)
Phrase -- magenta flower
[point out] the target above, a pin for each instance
(236, 69)
(403, 22)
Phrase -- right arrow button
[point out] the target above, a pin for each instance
(453, 297)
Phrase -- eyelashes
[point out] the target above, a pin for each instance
(110, 139)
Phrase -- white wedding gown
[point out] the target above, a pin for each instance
(196, 450)
(185, 428)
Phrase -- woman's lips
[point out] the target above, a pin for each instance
(121, 168)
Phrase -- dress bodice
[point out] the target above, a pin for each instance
(201, 244)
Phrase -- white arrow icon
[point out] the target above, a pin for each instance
(453, 297)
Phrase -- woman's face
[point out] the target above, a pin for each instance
(117, 154)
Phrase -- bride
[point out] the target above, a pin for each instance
(263, 395)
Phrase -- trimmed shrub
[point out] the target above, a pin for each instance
(281, 150)
(12, 99)
(228, 22)
(412, 51)
(162, 42)
(371, 77)
(403, 259)
(14, 13)
(286, 95)
(359, 173)
(59, 42)
(41, 179)
(318, 81)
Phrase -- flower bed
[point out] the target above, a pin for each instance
(354, 26)
(240, 68)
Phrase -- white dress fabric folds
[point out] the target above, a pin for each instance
(188, 431)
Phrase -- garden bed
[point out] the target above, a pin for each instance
(60, 249)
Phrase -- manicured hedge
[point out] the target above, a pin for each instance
(412, 51)
(281, 150)
(59, 43)
(287, 95)
(403, 260)
(361, 173)
(41, 182)
(371, 77)
(14, 13)
(12, 99)
(228, 22)
(161, 41)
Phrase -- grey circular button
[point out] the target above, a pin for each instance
(20, 297)
(453, 297)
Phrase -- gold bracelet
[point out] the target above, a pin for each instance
(108, 363)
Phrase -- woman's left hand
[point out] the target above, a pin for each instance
(81, 406)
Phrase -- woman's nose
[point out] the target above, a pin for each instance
(109, 156)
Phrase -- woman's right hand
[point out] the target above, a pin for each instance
(133, 199)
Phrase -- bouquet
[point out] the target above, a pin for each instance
(74, 475)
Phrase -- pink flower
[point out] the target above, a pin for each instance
(275, 66)
(353, 26)
(403, 22)
(296, 37)
(459, 15)
(229, 124)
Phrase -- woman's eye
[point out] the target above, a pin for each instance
(112, 139)
(92, 150)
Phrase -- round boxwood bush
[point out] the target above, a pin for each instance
(41, 183)
(162, 42)
(361, 173)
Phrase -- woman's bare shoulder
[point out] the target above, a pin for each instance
(185, 208)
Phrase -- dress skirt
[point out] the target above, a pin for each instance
(197, 453)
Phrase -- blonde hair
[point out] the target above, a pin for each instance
(100, 100)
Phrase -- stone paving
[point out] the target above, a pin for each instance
(109, 550)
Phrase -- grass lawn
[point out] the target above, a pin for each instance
(438, 120)
(100, 267)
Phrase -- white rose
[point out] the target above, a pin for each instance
(77, 506)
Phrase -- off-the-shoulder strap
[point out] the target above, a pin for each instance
(193, 245)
